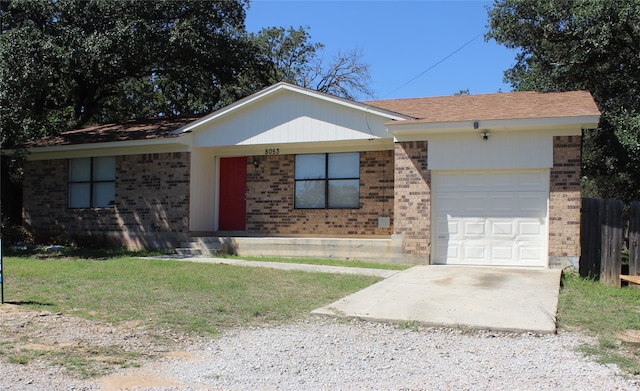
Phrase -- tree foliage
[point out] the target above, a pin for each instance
(288, 55)
(68, 63)
(583, 44)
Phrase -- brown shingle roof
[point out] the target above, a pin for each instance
(510, 105)
(125, 131)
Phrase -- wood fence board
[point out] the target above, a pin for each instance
(601, 240)
(590, 237)
(611, 261)
(634, 242)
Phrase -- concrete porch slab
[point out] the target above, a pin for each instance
(495, 298)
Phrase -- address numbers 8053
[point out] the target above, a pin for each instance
(272, 151)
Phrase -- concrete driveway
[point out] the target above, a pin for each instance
(495, 298)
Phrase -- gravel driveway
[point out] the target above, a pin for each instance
(317, 354)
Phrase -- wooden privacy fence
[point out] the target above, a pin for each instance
(602, 239)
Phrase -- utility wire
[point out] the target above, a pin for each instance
(435, 65)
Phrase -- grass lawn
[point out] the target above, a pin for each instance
(603, 311)
(203, 299)
(164, 294)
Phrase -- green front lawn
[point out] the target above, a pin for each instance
(165, 294)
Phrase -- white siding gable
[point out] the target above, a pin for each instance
(503, 150)
(290, 117)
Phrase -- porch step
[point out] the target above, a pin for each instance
(384, 250)
(200, 246)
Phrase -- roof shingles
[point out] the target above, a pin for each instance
(510, 105)
(126, 131)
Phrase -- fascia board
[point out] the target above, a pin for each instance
(107, 149)
(242, 103)
(576, 123)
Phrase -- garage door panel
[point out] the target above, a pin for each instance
(452, 203)
(474, 227)
(502, 252)
(502, 228)
(491, 218)
(449, 184)
(529, 251)
(530, 228)
(474, 205)
(474, 251)
(502, 204)
(532, 180)
(501, 180)
(450, 250)
(454, 227)
(534, 203)
(496, 181)
(448, 226)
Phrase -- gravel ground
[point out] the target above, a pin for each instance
(330, 355)
(314, 354)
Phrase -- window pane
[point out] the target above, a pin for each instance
(80, 169)
(104, 194)
(79, 194)
(104, 168)
(344, 165)
(344, 193)
(310, 194)
(310, 166)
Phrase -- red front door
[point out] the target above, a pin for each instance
(233, 187)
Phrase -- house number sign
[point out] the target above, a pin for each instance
(272, 151)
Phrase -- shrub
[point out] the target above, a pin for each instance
(12, 234)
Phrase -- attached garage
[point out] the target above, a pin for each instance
(490, 180)
(490, 217)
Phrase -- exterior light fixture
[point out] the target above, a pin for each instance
(485, 135)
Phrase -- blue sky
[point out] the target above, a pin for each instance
(400, 40)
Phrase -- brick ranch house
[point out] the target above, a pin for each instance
(475, 179)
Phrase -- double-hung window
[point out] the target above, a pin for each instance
(327, 181)
(92, 182)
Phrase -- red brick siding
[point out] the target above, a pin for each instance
(564, 198)
(412, 196)
(270, 199)
(152, 197)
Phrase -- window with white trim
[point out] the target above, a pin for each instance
(327, 181)
(92, 182)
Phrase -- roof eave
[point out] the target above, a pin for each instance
(577, 123)
(171, 143)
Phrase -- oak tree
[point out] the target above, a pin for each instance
(66, 63)
(590, 45)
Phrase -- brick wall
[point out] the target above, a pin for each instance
(412, 197)
(44, 190)
(564, 198)
(270, 199)
(151, 205)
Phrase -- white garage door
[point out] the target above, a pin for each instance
(490, 217)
